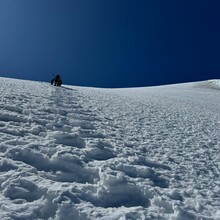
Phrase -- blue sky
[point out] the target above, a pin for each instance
(117, 43)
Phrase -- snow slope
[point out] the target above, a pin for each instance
(88, 153)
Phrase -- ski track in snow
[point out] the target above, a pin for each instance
(88, 153)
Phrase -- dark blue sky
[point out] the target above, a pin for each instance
(110, 43)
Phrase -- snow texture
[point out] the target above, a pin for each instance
(87, 153)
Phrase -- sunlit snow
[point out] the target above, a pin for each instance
(86, 153)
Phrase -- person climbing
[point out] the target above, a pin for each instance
(56, 81)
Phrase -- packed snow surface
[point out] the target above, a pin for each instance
(87, 153)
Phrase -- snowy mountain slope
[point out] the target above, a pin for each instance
(88, 153)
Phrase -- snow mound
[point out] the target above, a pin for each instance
(86, 153)
(215, 83)
(210, 84)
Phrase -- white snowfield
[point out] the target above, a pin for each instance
(111, 154)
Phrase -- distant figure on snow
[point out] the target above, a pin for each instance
(56, 81)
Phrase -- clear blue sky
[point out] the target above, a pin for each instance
(110, 43)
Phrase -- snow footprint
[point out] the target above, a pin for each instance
(66, 139)
(22, 189)
(115, 191)
(61, 167)
(100, 151)
(6, 165)
(145, 173)
(69, 168)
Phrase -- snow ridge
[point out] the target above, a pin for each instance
(87, 153)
